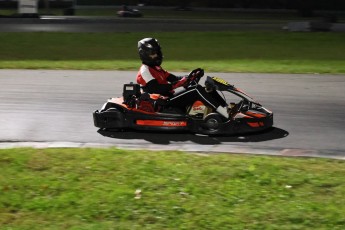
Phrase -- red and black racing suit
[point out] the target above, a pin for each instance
(154, 79)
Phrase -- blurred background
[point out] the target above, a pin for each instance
(331, 10)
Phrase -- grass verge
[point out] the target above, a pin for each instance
(278, 52)
(95, 189)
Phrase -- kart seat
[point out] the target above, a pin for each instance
(159, 99)
(152, 102)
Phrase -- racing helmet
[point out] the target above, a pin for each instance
(150, 52)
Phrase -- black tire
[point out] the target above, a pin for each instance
(212, 123)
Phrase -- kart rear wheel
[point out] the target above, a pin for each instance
(212, 123)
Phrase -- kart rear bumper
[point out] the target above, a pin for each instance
(116, 119)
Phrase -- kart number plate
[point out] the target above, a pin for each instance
(221, 81)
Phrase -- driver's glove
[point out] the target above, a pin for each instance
(198, 72)
(180, 83)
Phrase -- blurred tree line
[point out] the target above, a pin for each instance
(256, 4)
(305, 5)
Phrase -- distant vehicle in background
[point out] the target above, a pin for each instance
(127, 12)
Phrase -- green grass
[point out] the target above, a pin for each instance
(95, 189)
(275, 52)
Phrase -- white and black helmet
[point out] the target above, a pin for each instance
(147, 49)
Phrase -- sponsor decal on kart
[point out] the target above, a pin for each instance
(221, 81)
(162, 123)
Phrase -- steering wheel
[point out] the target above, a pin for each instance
(193, 77)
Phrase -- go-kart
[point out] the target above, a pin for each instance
(136, 110)
(129, 13)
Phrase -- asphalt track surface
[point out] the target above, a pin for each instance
(46, 108)
(53, 108)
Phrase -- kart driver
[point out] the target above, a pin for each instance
(154, 79)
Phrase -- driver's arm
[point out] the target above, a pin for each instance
(154, 87)
(172, 78)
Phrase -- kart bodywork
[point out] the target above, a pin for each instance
(129, 13)
(137, 111)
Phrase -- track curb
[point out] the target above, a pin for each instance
(207, 149)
